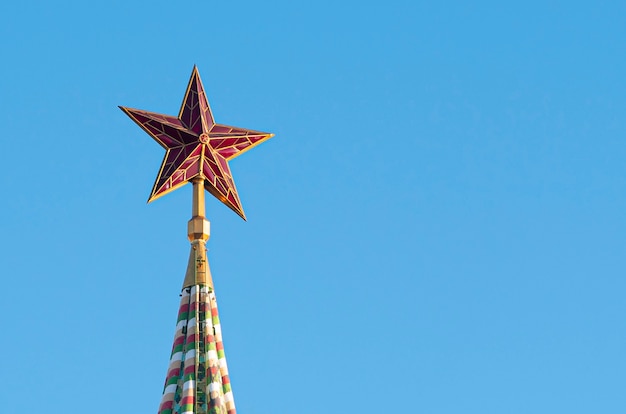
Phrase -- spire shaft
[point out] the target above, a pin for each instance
(198, 232)
(197, 206)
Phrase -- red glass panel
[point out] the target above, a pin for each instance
(192, 97)
(239, 131)
(220, 129)
(173, 157)
(185, 116)
(223, 164)
(140, 118)
(220, 184)
(208, 116)
(214, 168)
(178, 177)
(206, 170)
(256, 138)
(224, 142)
(197, 150)
(193, 170)
(228, 152)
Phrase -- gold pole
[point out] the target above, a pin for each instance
(197, 205)
(198, 232)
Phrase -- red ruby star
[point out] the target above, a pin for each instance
(196, 146)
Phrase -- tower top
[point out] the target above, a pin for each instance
(197, 151)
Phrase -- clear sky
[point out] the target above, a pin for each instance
(438, 226)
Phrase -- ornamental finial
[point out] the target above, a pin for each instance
(196, 146)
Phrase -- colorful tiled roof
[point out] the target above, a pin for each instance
(197, 377)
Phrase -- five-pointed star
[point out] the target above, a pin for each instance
(196, 146)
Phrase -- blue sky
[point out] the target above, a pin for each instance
(437, 227)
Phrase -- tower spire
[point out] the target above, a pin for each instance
(197, 150)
